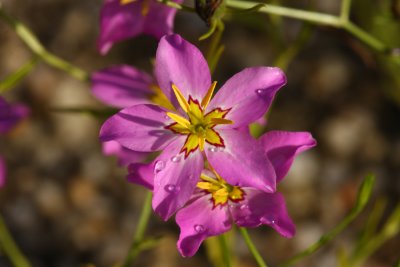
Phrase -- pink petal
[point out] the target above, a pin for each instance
(175, 178)
(11, 114)
(141, 174)
(119, 22)
(125, 156)
(263, 208)
(199, 220)
(249, 93)
(139, 128)
(282, 147)
(242, 162)
(181, 63)
(122, 86)
(2, 172)
(160, 20)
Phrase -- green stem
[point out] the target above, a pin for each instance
(225, 250)
(216, 49)
(10, 247)
(33, 43)
(318, 18)
(136, 247)
(364, 194)
(345, 10)
(12, 80)
(252, 247)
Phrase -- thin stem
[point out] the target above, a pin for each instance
(12, 80)
(135, 248)
(345, 10)
(252, 247)
(364, 194)
(177, 6)
(10, 247)
(36, 47)
(216, 49)
(319, 19)
(225, 250)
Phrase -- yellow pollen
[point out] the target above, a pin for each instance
(197, 125)
(220, 190)
(125, 2)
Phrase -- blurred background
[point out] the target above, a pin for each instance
(67, 204)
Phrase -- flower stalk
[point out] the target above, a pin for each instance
(36, 47)
(252, 247)
(138, 237)
(10, 248)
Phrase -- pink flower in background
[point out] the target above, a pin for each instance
(123, 19)
(198, 126)
(2, 172)
(10, 115)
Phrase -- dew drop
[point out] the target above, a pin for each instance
(267, 221)
(260, 91)
(176, 159)
(221, 149)
(213, 149)
(170, 188)
(244, 206)
(199, 228)
(159, 166)
(166, 117)
(269, 188)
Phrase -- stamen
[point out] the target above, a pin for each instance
(181, 99)
(208, 179)
(201, 143)
(221, 121)
(180, 120)
(207, 98)
(124, 2)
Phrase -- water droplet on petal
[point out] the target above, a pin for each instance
(269, 188)
(159, 166)
(260, 91)
(166, 117)
(244, 206)
(170, 188)
(267, 220)
(213, 149)
(221, 149)
(199, 228)
(176, 159)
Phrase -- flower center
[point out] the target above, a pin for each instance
(198, 126)
(221, 192)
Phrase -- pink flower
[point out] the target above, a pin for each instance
(123, 19)
(199, 126)
(10, 115)
(216, 205)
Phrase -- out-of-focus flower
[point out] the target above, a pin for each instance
(10, 115)
(123, 19)
(2, 172)
(216, 205)
(198, 126)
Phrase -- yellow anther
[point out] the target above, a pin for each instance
(181, 99)
(221, 121)
(124, 2)
(201, 143)
(178, 119)
(207, 97)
